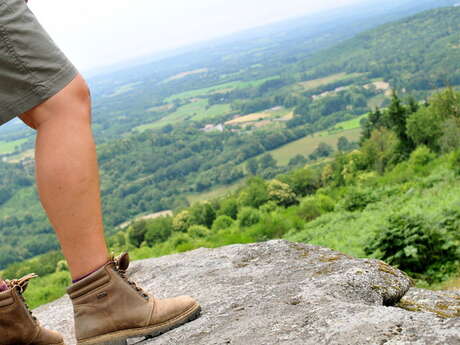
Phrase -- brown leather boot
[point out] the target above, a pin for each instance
(109, 308)
(17, 324)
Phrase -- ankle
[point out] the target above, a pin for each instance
(88, 274)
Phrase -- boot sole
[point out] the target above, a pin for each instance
(121, 337)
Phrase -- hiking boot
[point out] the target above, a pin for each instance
(17, 324)
(109, 308)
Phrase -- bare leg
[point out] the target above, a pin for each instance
(68, 177)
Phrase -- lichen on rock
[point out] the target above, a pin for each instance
(280, 292)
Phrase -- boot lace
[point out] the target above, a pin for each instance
(21, 285)
(122, 273)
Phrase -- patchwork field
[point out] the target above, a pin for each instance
(313, 84)
(196, 110)
(10, 146)
(307, 145)
(218, 88)
(269, 114)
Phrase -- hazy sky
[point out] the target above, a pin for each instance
(101, 32)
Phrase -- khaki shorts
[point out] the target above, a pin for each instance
(32, 68)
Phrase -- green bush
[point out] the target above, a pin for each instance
(421, 156)
(357, 199)
(454, 162)
(309, 209)
(198, 231)
(281, 193)
(248, 216)
(325, 203)
(228, 207)
(222, 222)
(413, 244)
(269, 227)
(136, 232)
(158, 230)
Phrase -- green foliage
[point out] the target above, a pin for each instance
(182, 221)
(303, 181)
(281, 193)
(42, 265)
(356, 199)
(228, 207)
(136, 232)
(309, 209)
(158, 230)
(248, 216)
(270, 226)
(222, 222)
(454, 162)
(202, 214)
(198, 231)
(413, 243)
(421, 157)
(255, 194)
(380, 149)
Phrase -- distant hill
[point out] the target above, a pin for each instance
(418, 53)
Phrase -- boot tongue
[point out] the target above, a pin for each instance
(123, 261)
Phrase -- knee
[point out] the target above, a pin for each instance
(73, 103)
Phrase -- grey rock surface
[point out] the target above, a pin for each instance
(280, 292)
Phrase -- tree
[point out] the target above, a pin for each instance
(379, 150)
(202, 214)
(298, 160)
(254, 194)
(252, 166)
(136, 232)
(323, 150)
(343, 144)
(158, 230)
(267, 161)
(397, 116)
(281, 193)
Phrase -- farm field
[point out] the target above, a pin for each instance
(307, 145)
(313, 84)
(10, 146)
(214, 89)
(270, 114)
(214, 192)
(196, 110)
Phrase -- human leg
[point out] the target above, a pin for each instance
(68, 177)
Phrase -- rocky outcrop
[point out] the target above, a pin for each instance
(280, 292)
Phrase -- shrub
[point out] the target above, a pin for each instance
(254, 194)
(270, 226)
(222, 222)
(202, 214)
(309, 209)
(248, 216)
(158, 230)
(325, 203)
(281, 193)
(413, 244)
(421, 156)
(454, 162)
(136, 232)
(179, 239)
(182, 221)
(228, 207)
(357, 199)
(198, 231)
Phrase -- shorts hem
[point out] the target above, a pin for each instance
(39, 93)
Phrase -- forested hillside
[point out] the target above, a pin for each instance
(417, 53)
(214, 125)
(396, 197)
